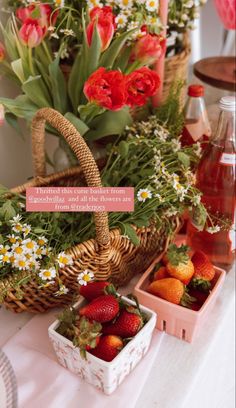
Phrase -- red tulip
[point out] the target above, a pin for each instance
(31, 33)
(149, 48)
(104, 19)
(140, 85)
(106, 88)
(2, 52)
(45, 19)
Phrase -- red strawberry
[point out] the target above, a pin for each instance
(108, 347)
(172, 290)
(161, 273)
(204, 271)
(101, 309)
(199, 295)
(93, 290)
(128, 323)
(93, 344)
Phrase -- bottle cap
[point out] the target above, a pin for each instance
(228, 103)
(196, 90)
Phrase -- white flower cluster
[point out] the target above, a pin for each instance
(25, 252)
(183, 13)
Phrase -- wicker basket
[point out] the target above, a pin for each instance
(110, 255)
(176, 67)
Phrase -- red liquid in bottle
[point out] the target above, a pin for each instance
(187, 139)
(216, 180)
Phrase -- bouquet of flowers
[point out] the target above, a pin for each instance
(109, 71)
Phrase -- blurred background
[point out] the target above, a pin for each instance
(208, 39)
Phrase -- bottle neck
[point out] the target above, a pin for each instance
(194, 108)
(226, 127)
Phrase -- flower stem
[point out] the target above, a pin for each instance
(31, 61)
(45, 47)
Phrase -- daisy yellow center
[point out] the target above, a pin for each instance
(47, 274)
(3, 251)
(21, 263)
(39, 251)
(27, 231)
(86, 278)
(41, 242)
(5, 258)
(28, 256)
(144, 194)
(18, 227)
(125, 2)
(152, 3)
(120, 20)
(12, 240)
(63, 260)
(30, 245)
(12, 259)
(18, 250)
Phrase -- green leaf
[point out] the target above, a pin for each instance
(58, 87)
(109, 56)
(128, 230)
(22, 107)
(9, 41)
(8, 211)
(13, 122)
(90, 111)
(109, 123)
(18, 69)
(37, 92)
(78, 123)
(123, 148)
(184, 158)
(39, 231)
(122, 60)
(94, 52)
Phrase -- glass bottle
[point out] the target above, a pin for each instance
(216, 179)
(197, 127)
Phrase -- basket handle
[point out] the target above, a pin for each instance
(83, 154)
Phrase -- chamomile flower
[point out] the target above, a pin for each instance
(17, 249)
(94, 3)
(12, 238)
(196, 200)
(4, 249)
(213, 230)
(143, 194)
(125, 4)
(67, 32)
(85, 277)
(63, 290)
(21, 263)
(26, 229)
(121, 20)
(33, 264)
(42, 241)
(6, 257)
(18, 227)
(29, 245)
(64, 259)
(59, 3)
(16, 219)
(176, 145)
(40, 252)
(47, 274)
(151, 5)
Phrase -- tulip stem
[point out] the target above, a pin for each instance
(136, 64)
(31, 61)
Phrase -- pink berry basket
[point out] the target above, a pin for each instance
(177, 320)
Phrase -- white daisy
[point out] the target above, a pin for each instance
(39, 252)
(4, 249)
(12, 238)
(196, 200)
(125, 4)
(143, 194)
(47, 274)
(29, 245)
(16, 219)
(151, 5)
(63, 290)
(33, 264)
(21, 263)
(42, 241)
(64, 259)
(6, 257)
(176, 145)
(121, 20)
(85, 277)
(26, 229)
(18, 227)
(59, 3)
(213, 230)
(17, 249)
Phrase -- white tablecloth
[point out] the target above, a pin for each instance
(198, 375)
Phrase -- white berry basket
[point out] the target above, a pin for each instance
(105, 376)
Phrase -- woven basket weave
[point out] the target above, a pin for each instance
(176, 67)
(110, 255)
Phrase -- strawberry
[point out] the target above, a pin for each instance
(101, 309)
(179, 264)
(108, 347)
(199, 295)
(204, 271)
(93, 290)
(93, 344)
(161, 273)
(128, 323)
(172, 290)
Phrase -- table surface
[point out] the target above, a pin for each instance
(183, 375)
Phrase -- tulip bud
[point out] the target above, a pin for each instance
(104, 20)
(31, 33)
(149, 48)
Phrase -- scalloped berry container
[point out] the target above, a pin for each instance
(105, 376)
(177, 320)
